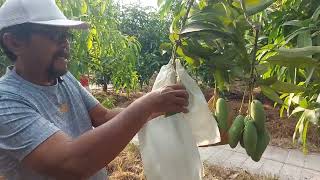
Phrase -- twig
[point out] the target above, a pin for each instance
(178, 42)
(242, 102)
(243, 6)
(256, 29)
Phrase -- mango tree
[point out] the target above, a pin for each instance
(294, 42)
(239, 39)
(145, 24)
(102, 51)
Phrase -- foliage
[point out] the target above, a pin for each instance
(297, 62)
(106, 101)
(145, 24)
(103, 50)
(249, 40)
(4, 62)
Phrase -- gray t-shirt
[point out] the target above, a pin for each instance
(29, 114)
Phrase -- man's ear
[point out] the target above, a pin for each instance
(13, 44)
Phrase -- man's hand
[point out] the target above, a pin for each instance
(83, 156)
(170, 99)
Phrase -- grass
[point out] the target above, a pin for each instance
(128, 166)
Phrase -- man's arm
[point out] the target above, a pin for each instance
(64, 158)
(99, 114)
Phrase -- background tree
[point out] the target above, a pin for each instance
(103, 52)
(151, 31)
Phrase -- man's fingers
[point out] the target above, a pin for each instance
(180, 109)
(176, 87)
(181, 93)
(181, 101)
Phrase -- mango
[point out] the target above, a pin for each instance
(258, 114)
(262, 143)
(221, 113)
(250, 137)
(235, 131)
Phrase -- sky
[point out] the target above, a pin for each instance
(142, 2)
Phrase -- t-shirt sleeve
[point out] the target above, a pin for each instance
(22, 128)
(89, 100)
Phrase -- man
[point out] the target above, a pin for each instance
(46, 117)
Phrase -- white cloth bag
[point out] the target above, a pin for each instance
(168, 145)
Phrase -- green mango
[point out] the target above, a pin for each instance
(250, 137)
(235, 131)
(258, 114)
(263, 141)
(241, 140)
(221, 113)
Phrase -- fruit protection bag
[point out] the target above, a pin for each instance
(168, 145)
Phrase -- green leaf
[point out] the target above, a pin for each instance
(173, 37)
(298, 126)
(251, 10)
(300, 62)
(271, 94)
(281, 111)
(304, 39)
(315, 15)
(313, 115)
(298, 52)
(202, 27)
(297, 23)
(290, 96)
(296, 33)
(197, 26)
(310, 74)
(208, 15)
(202, 50)
(189, 57)
(301, 101)
(159, 2)
(84, 7)
(297, 110)
(304, 137)
(285, 87)
(165, 47)
(267, 82)
(164, 6)
(262, 68)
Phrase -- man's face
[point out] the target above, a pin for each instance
(49, 49)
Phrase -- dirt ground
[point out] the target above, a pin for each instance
(128, 166)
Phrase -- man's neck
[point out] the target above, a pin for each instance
(34, 75)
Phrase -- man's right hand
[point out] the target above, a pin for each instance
(170, 99)
(64, 157)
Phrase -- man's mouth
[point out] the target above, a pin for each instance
(62, 58)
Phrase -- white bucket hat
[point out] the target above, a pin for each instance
(45, 12)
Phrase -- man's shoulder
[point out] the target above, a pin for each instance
(13, 87)
(69, 76)
(9, 84)
(70, 79)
